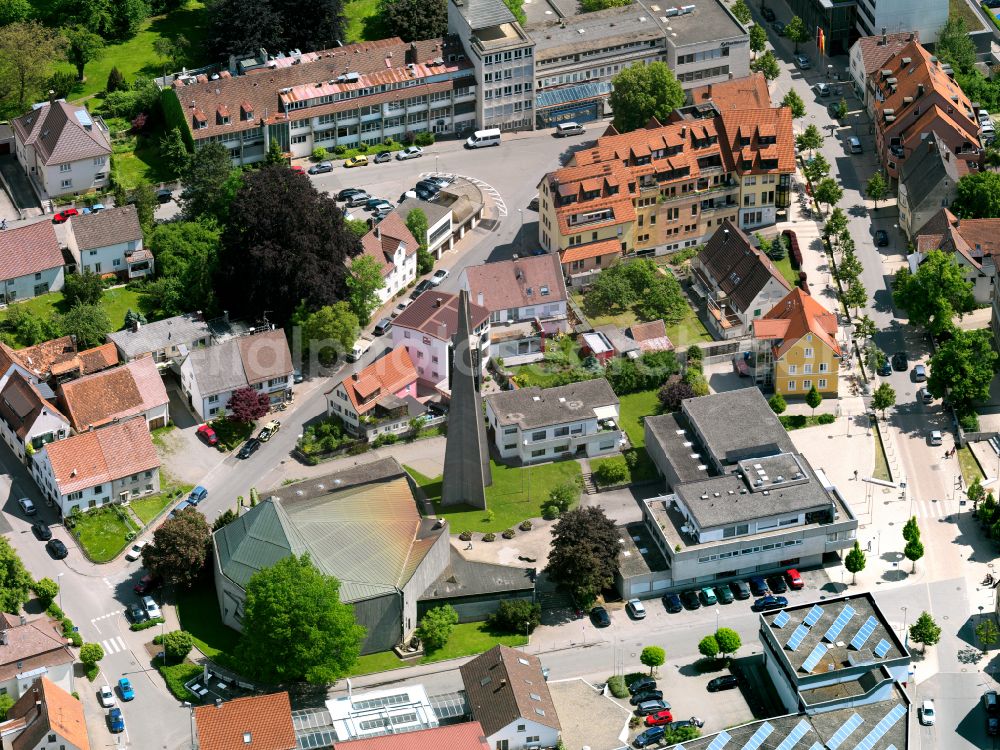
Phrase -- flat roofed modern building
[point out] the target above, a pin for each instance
(395, 710)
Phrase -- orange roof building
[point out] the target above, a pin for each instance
(796, 347)
(260, 722)
(46, 715)
(381, 395)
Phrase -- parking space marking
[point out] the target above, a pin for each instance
(114, 645)
(484, 186)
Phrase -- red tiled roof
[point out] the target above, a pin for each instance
(102, 455)
(505, 284)
(28, 250)
(801, 314)
(386, 375)
(592, 250)
(118, 393)
(266, 718)
(56, 712)
(466, 736)
(750, 91)
(874, 53)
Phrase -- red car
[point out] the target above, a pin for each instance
(660, 717)
(300, 170)
(795, 581)
(64, 215)
(207, 434)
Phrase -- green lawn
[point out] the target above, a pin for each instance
(644, 470)
(961, 8)
(363, 21)
(689, 330)
(148, 508)
(785, 266)
(517, 494)
(137, 159)
(881, 470)
(633, 408)
(970, 466)
(116, 302)
(198, 610)
(103, 532)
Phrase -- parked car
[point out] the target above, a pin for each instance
(758, 586)
(659, 718)
(398, 309)
(925, 396)
(379, 206)
(992, 708)
(641, 685)
(27, 506)
(935, 437)
(919, 373)
(206, 433)
(795, 582)
(382, 327)
(646, 695)
(884, 367)
(439, 275)
(777, 584)
(740, 589)
(899, 362)
(823, 89)
(356, 161)
(382, 157)
(267, 431)
(651, 735)
(297, 169)
(346, 193)
(420, 288)
(881, 238)
(135, 551)
(410, 152)
(136, 613)
(42, 530)
(116, 722)
(723, 594)
(249, 448)
(694, 721)
(151, 607)
(147, 584)
(106, 696)
(182, 505)
(424, 193)
(321, 168)
(635, 609)
(650, 707)
(707, 596)
(926, 713)
(357, 199)
(779, 27)
(198, 494)
(802, 62)
(125, 689)
(726, 682)
(440, 180)
(672, 603)
(95, 209)
(600, 617)
(767, 603)
(56, 548)
(767, 13)
(297, 376)
(690, 599)
(65, 215)
(164, 195)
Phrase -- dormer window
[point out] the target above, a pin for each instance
(222, 115)
(200, 120)
(246, 111)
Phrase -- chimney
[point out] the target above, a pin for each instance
(437, 302)
(52, 96)
(947, 155)
(885, 39)
(3, 637)
(218, 702)
(377, 233)
(136, 325)
(354, 377)
(920, 90)
(479, 299)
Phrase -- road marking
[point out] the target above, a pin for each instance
(110, 584)
(484, 186)
(116, 613)
(114, 645)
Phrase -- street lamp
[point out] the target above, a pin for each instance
(904, 618)
(527, 635)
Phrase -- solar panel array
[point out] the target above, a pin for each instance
(844, 732)
(797, 637)
(864, 634)
(797, 734)
(781, 620)
(762, 733)
(842, 619)
(720, 741)
(817, 746)
(813, 659)
(882, 648)
(812, 617)
(881, 728)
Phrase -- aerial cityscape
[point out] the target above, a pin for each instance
(499, 374)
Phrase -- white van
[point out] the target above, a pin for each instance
(569, 128)
(358, 350)
(482, 138)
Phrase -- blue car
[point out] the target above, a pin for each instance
(116, 721)
(180, 506)
(198, 494)
(758, 586)
(651, 735)
(125, 688)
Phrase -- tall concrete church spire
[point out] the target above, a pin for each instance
(466, 457)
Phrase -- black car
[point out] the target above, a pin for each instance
(900, 362)
(726, 682)
(383, 326)
(429, 184)
(881, 238)
(767, 603)
(164, 196)
(420, 288)
(777, 584)
(382, 156)
(56, 548)
(346, 193)
(424, 193)
(884, 368)
(758, 585)
(646, 695)
(672, 603)
(724, 595)
(690, 600)
(42, 530)
(740, 590)
(136, 613)
(249, 448)
(600, 617)
(641, 685)
(767, 13)
(648, 737)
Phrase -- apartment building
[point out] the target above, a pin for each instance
(928, 181)
(670, 186)
(972, 242)
(917, 95)
(925, 17)
(868, 55)
(358, 93)
(503, 62)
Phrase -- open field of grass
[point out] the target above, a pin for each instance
(103, 532)
(970, 466)
(116, 302)
(634, 407)
(363, 21)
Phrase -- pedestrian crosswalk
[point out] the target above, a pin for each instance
(933, 509)
(113, 645)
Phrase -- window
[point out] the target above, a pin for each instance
(38, 277)
(737, 530)
(97, 489)
(66, 184)
(538, 453)
(100, 161)
(821, 383)
(65, 167)
(560, 432)
(807, 353)
(793, 369)
(213, 399)
(807, 369)
(74, 496)
(824, 367)
(538, 435)
(791, 385)
(806, 385)
(521, 727)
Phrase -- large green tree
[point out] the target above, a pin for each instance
(640, 285)
(855, 561)
(643, 91)
(295, 627)
(767, 65)
(412, 20)
(977, 196)
(204, 195)
(584, 554)
(883, 398)
(758, 39)
(828, 192)
(83, 46)
(963, 367)
(88, 323)
(435, 627)
(935, 294)
(28, 52)
(809, 139)
(876, 188)
(363, 282)
(238, 26)
(180, 548)
(797, 32)
(742, 11)
(653, 657)
(794, 102)
(955, 46)
(187, 254)
(925, 631)
(15, 581)
(330, 332)
(85, 288)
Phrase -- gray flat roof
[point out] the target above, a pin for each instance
(482, 14)
(639, 554)
(708, 22)
(433, 211)
(181, 329)
(541, 407)
(677, 442)
(737, 424)
(472, 578)
(597, 30)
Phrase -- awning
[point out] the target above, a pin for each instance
(606, 412)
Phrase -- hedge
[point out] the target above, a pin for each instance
(795, 254)
(136, 626)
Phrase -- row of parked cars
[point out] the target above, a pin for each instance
(658, 716)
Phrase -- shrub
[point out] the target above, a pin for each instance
(46, 590)
(387, 438)
(436, 626)
(319, 153)
(489, 536)
(631, 459)
(177, 645)
(777, 403)
(793, 421)
(424, 139)
(508, 534)
(803, 284)
(340, 149)
(550, 512)
(612, 471)
(634, 722)
(512, 615)
(695, 354)
(969, 421)
(826, 419)
(617, 686)
(524, 526)
(137, 626)
(91, 653)
(795, 258)
(465, 536)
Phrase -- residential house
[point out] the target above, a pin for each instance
(33, 647)
(508, 695)
(31, 262)
(354, 94)
(974, 243)
(378, 400)
(261, 361)
(78, 364)
(260, 722)
(917, 96)
(171, 339)
(668, 186)
(55, 361)
(927, 183)
(114, 464)
(581, 263)
(795, 347)
(737, 281)
(110, 242)
(117, 394)
(868, 56)
(526, 299)
(393, 248)
(63, 148)
(736, 93)
(740, 500)
(468, 735)
(46, 716)
(439, 238)
(360, 525)
(541, 424)
(28, 420)
(651, 336)
(426, 327)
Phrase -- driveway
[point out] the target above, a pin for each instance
(18, 199)
(588, 717)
